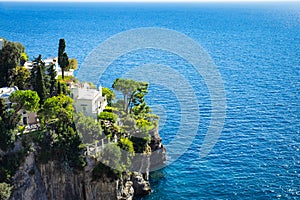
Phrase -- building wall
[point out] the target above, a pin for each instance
(1, 44)
(89, 107)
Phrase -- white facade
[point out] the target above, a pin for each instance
(48, 62)
(1, 43)
(87, 100)
(5, 92)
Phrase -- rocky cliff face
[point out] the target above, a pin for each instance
(158, 155)
(55, 180)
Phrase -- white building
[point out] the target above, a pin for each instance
(1, 43)
(48, 62)
(28, 118)
(5, 92)
(87, 100)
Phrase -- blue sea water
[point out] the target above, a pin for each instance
(256, 48)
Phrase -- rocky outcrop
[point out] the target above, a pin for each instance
(140, 185)
(55, 180)
(158, 155)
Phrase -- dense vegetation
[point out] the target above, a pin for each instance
(63, 135)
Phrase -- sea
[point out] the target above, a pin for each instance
(255, 50)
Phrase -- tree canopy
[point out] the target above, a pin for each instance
(57, 108)
(110, 95)
(133, 92)
(10, 57)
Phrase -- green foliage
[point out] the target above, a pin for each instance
(128, 150)
(5, 191)
(23, 59)
(127, 87)
(66, 146)
(103, 171)
(40, 85)
(108, 116)
(7, 133)
(133, 94)
(88, 130)
(20, 78)
(63, 59)
(7, 137)
(110, 163)
(40, 82)
(110, 95)
(25, 99)
(110, 109)
(62, 87)
(73, 64)
(126, 145)
(52, 79)
(9, 164)
(129, 124)
(57, 109)
(140, 142)
(10, 57)
(61, 50)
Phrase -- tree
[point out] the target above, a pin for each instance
(57, 109)
(23, 99)
(133, 92)
(110, 95)
(87, 128)
(23, 59)
(33, 73)
(63, 59)
(52, 76)
(7, 135)
(40, 85)
(108, 116)
(5, 191)
(111, 156)
(73, 64)
(56, 115)
(61, 49)
(10, 57)
(21, 78)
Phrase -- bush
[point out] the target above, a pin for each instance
(108, 116)
(5, 191)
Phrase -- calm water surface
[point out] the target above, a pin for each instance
(257, 51)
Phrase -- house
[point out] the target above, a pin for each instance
(88, 100)
(28, 118)
(48, 62)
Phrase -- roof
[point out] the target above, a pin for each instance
(6, 91)
(88, 94)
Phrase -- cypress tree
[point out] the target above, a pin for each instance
(63, 59)
(53, 82)
(59, 91)
(40, 85)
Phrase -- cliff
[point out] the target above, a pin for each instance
(55, 180)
